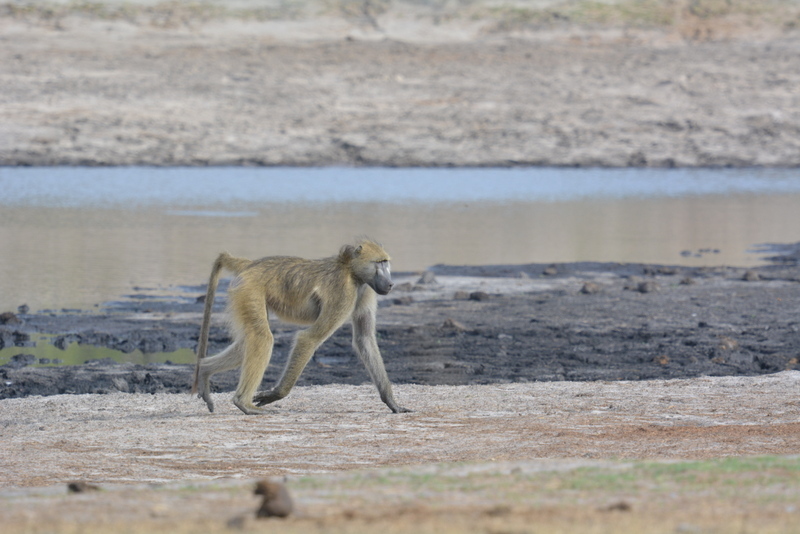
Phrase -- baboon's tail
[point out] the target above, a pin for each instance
(236, 266)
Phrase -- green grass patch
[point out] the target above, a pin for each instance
(768, 478)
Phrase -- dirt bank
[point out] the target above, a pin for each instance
(185, 88)
(471, 325)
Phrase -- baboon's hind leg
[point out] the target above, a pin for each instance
(258, 341)
(230, 358)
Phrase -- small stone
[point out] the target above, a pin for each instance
(22, 360)
(454, 325)
(648, 286)
(590, 288)
(478, 295)
(620, 506)
(121, 384)
(461, 295)
(9, 318)
(81, 487)
(427, 278)
(276, 501)
(727, 344)
(751, 276)
(550, 270)
(632, 284)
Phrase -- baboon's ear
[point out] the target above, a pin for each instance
(358, 250)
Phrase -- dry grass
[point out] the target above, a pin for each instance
(757, 494)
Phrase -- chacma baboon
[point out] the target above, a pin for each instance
(324, 293)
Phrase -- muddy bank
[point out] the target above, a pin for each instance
(406, 91)
(469, 325)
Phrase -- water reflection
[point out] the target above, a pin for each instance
(98, 236)
(42, 353)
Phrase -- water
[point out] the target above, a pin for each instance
(77, 237)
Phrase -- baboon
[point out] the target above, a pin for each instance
(322, 293)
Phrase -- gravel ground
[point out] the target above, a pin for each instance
(126, 438)
(81, 89)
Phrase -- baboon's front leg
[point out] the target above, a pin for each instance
(366, 346)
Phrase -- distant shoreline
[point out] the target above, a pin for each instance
(165, 86)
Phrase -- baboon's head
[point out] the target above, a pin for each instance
(369, 263)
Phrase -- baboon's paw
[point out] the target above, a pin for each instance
(249, 408)
(266, 397)
(206, 397)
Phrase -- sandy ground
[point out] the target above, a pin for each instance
(156, 438)
(509, 430)
(177, 88)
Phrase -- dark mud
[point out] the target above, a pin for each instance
(578, 321)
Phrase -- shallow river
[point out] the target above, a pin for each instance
(77, 237)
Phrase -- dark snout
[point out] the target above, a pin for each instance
(382, 283)
(383, 286)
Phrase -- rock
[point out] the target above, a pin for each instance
(479, 295)
(454, 325)
(461, 295)
(23, 309)
(632, 284)
(82, 487)
(276, 500)
(726, 343)
(590, 288)
(9, 318)
(620, 506)
(648, 286)
(427, 278)
(21, 360)
(550, 270)
(751, 276)
(121, 384)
